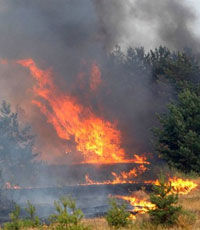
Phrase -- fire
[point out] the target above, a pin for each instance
(95, 77)
(8, 185)
(140, 206)
(180, 186)
(122, 178)
(3, 61)
(98, 140)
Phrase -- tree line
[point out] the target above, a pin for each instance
(177, 136)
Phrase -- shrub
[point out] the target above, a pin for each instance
(166, 212)
(32, 220)
(16, 222)
(117, 216)
(68, 216)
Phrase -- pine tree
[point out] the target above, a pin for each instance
(178, 138)
(117, 215)
(16, 147)
(166, 212)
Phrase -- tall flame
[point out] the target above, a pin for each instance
(96, 139)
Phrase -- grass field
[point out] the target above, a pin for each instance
(189, 202)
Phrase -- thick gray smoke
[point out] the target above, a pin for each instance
(147, 23)
(64, 34)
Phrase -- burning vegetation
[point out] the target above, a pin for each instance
(141, 204)
(98, 140)
(91, 105)
(180, 186)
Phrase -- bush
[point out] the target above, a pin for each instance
(68, 217)
(16, 222)
(117, 215)
(32, 220)
(166, 212)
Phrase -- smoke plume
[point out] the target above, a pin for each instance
(147, 23)
(68, 36)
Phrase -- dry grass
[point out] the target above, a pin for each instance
(190, 202)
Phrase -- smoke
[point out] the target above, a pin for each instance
(147, 23)
(67, 36)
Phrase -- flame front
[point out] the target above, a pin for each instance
(140, 206)
(180, 186)
(98, 140)
(121, 178)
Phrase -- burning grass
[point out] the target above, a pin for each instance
(189, 220)
(189, 202)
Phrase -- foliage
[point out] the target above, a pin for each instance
(16, 146)
(165, 212)
(180, 68)
(178, 139)
(32, 220)
(117, 216)
(161, 63)
(68, 216)
(16, 222)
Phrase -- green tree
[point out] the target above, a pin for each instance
(15, 223)
(16, 147)
(180, 68)
(32, 220)
(165, 212)
(178, 138)
(68, 216)
(117, 215)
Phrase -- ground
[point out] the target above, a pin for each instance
(190, 202)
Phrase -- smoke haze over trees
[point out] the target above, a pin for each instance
(16, 148)
(68, 36)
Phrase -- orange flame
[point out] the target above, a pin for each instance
(8, 185)
(140, 206)
(95, 77)
(3, 61)
(96, 139)
(180, 186)
(122, 178)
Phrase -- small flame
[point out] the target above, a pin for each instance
(95, 77)
(3, 61)
(8, 185)
(122, 178)
(140, 206)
